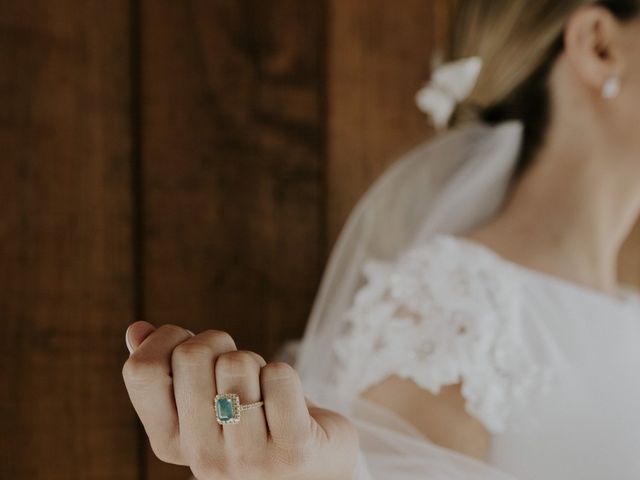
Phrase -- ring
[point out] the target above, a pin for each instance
(228, 408)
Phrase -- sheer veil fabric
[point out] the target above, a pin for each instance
(447, 185)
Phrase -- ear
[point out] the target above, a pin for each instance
(593, 45)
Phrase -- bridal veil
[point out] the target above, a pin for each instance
(449, 184)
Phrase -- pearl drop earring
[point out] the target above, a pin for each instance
(611, 87)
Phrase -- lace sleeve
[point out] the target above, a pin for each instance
(440, 316)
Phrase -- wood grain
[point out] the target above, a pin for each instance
(65, 241)
(378, 57)
(232, 149)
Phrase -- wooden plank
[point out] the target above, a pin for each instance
(65, 241)
(379, 56)
(233, 175)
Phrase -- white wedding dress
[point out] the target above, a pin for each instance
(551, 369)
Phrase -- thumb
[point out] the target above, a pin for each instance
(335, 426)
(340, 439)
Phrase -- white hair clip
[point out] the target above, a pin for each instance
(450, 83)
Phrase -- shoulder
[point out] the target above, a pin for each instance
(446, 311)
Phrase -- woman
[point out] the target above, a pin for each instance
(470, 323)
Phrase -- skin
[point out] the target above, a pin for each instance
(582, 191)
(172, 377)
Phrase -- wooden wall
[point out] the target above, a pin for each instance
(187, 162)
(67, 282)
(177, 161)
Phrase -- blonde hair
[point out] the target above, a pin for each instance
(518, 41)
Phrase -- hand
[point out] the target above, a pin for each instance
(172, 378)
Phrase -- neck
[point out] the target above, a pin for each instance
(569, 216)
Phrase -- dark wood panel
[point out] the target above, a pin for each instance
(233, 167)
(379, 56)
(65, 241)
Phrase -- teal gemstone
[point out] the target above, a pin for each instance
(224, 409)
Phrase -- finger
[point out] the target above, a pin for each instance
(136, 334)
(147, 376)
(194, 389)
(239, 373)
(286, 409)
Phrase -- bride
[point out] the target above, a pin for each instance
(470, 323)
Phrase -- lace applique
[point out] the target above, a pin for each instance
(440, 315)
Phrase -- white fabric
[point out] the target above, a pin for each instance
(541, 365)
(450, 184)
(581, 422)
(586, 426)
(437, 316)
(450, 83)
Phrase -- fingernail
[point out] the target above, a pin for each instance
(127, 342)
(190, 332)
